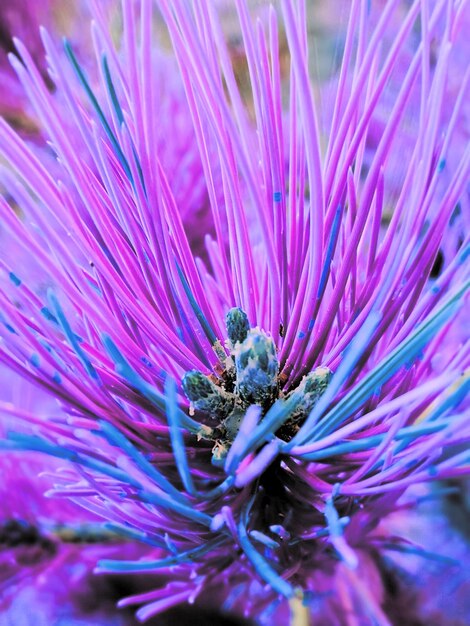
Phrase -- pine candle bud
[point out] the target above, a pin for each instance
(311, 388)
(205, 396)
(237, 324)
(257, 368)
